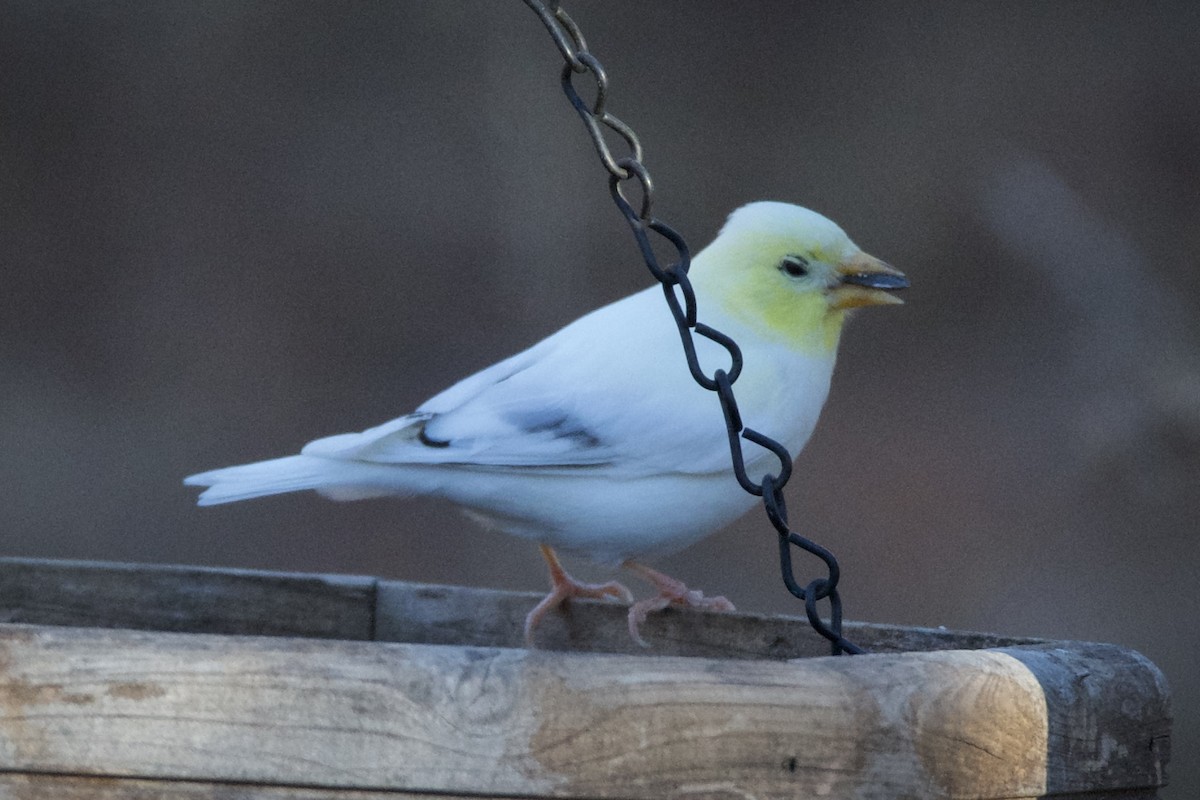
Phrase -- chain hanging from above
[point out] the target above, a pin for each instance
(623, 171)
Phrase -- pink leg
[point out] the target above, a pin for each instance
(563, 588)
(670, 592)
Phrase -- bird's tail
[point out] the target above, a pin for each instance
(277, 476)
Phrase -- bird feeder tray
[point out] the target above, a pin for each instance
(135, 681)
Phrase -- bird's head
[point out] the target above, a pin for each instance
(791, 275)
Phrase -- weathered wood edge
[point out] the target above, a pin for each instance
(35, 786)
(186, 599)
(1109, 708)
(358, 608)
(41, 786)
(433, 614)
(1003, 723)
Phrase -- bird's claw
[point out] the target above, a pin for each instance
(682, 596)
(565, 587)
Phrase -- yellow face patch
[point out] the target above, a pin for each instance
(803, 320)
(794, 312)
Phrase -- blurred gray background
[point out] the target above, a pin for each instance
(229, 228)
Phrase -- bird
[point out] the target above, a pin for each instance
(597, 441)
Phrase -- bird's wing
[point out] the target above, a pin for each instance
(383, 439)
(479, 420)
(611, 390)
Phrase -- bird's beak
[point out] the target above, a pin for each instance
(866, 281)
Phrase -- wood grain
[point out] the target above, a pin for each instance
(71, 787)
(307, 714)
(238, 602)
(431, 614)
(186, 599)
(63, 787)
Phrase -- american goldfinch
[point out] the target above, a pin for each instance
(596, 440)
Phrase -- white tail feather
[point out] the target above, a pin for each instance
(276, 476)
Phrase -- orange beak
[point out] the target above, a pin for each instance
(866, 281)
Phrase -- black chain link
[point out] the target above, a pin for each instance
(681, 299)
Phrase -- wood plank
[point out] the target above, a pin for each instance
(232, 602)
(432, 614)
(71, 787)
(1012, 723)
(185, 599)
(64, 787)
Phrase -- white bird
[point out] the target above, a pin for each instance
(597, 440)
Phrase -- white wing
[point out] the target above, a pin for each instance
(610, 391)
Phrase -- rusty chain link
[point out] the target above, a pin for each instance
(681, 299)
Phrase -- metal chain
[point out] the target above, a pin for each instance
(623, 172)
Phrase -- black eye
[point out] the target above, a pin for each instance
(796, 266)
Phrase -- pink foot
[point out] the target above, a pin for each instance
(670, 592)
(563, 588)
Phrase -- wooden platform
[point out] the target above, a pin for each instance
(138, 681)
